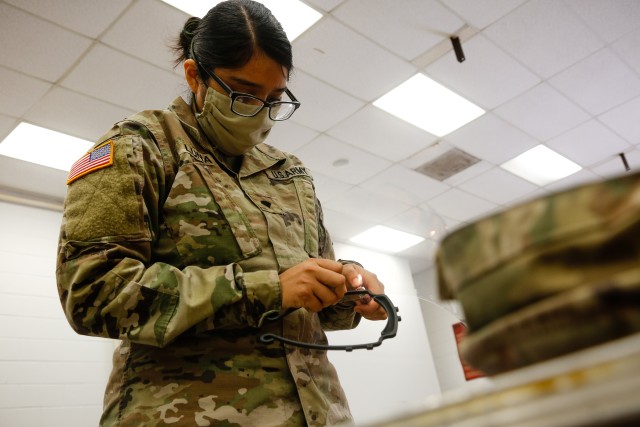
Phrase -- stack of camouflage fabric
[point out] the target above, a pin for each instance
(547, 277)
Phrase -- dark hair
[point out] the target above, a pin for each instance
(230, 33)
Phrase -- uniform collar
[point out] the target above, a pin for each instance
(261, 157)
(185, 114)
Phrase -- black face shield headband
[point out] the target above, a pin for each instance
(389, 330)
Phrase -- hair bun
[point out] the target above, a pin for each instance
(183, 44)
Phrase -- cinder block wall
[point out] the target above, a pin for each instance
(49, 375)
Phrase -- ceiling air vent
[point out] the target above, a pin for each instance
(449, 164)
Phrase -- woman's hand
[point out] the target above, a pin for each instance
(313, 284)
(358, 277)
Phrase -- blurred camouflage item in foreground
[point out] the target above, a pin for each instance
(547, 277)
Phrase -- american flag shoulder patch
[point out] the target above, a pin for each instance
(98, 158)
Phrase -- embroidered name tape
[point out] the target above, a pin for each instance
(98, 158)
(288, 173)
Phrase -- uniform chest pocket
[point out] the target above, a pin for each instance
(290, 210)
(206, 225)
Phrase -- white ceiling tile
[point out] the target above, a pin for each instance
(122, 80)
(535, 194)
(545, 35)
(610, 19)
(450, 223)
(487, 77)
(322, 52)
(615, 167)
(482, 13)
(364, 204)
(498, 186)
(290, 136)
(33, 178)
(88, 17)
(408, 31)
(542, 112)
(583, 176)
(425, 251)
(588, 143)
(7, 124)
(460, 205)
(405, 185)
(36, 47)
(420, 221)
(623, 120)
(343, 226)
(627, 49)
(18, 92)
(322, 105)
(326, 5)
(75, 114)
(321, 153)
(599, 82)
(378, 132)
(328, 188)
(147, 31)
(490, 138)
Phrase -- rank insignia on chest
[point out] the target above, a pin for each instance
(98, 158)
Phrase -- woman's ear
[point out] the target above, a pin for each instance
(191, 75)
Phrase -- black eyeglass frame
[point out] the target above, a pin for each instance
(233, 95)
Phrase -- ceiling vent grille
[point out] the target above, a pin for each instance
(450, 163)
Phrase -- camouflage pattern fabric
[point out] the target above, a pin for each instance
(547, 277)
(578, 237)
(179, 258)
(572, 320)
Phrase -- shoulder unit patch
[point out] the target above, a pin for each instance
(98, 158)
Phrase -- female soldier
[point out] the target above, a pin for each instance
(183, 231)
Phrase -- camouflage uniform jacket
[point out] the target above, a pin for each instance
(179, 258)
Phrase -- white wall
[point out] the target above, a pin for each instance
(48, 374)
(439, 317)
(397, 377)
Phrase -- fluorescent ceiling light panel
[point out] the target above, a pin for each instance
(429, 105)
(43, 146)
(294, 15)
(541, 165)
(386, 239)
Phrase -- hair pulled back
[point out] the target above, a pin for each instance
(230, 33)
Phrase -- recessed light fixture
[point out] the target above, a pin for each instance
(43, 146)
(386, 239)
(294, 15)
(541, 165)
(429, 105)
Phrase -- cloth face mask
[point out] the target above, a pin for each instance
(234, 135)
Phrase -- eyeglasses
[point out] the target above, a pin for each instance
(246, 105)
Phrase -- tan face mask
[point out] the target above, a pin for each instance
(234, 135)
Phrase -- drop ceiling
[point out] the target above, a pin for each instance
(562, 73)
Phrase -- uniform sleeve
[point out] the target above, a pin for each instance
(338, 316)
(108, 283)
